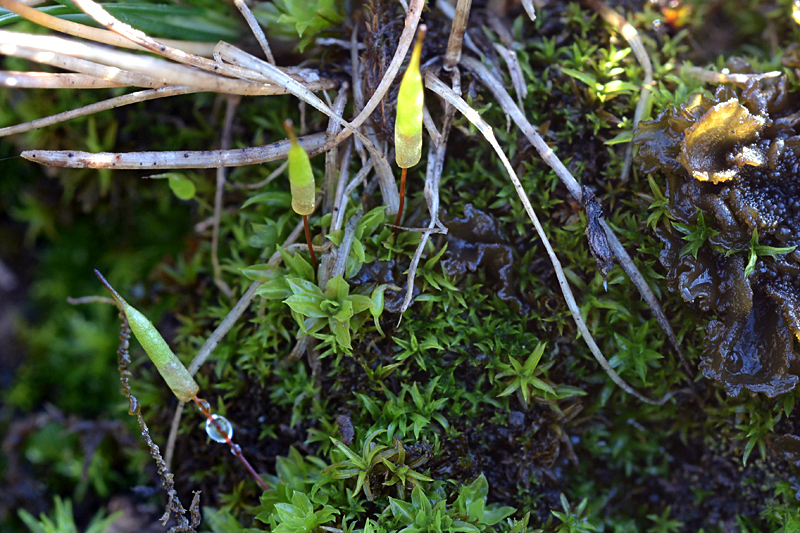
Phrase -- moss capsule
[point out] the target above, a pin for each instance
(167, 363)
(410, 98)
(301, 178)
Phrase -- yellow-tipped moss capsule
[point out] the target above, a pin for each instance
(301, 178)
(410, 98)
(167, 363)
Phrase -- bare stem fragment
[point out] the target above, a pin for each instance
(456, 39)
(172, 160)
(49, 80)
(94, 34)
(112, 103)
(256, 29)
(225, 144)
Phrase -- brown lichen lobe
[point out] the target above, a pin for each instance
(735, 159)
(717, 133)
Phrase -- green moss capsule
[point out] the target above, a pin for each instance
(410, 99)
(167, 363)
(301, 178)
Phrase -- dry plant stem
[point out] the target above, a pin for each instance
(235, 449)
(93, 34)
(310, 245)
(67, 62)
(256, 29)
(517, 78)
(91, 300)
(403, 45)
(347, 45)
(104, 18)
(574, 187)
(272, 175)
(403, 173)
(42, 48)
(340, 202)
(357, 180)
(217, 335)
(112, 103)
(529, 9)
(355, 65)
(332, 155)
(709, 76)
(632, 36)
(339, 266)
(436, 85)
(456, 39)
(174, 506)
(49, 80)
(232, 103)
(274, 75)
(173, 160)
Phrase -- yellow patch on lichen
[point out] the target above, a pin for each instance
(708, 142)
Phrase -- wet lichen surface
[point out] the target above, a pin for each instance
(452, 396)
(732, 168)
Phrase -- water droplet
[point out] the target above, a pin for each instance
(133, 405)
(223, 424)
(203, 405)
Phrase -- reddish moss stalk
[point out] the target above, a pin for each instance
(402, 199)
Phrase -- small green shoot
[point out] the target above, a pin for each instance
(696, 234)
(760, 250)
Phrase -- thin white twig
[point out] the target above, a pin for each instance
(173, 160)
(517, 78)
(89, 299)
(358, 91)
(436, 85)
(437, 150)
(14, 79)
(94, 34)
(104, 18)
(255, 27)
(112, 103)
(347, 45)
(358, 179)
(709, 76)
(332, 155)
(76, 64)
(232, 103)
(153, 71)
(529, 9)
(272, 175)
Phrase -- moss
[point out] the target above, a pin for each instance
(460, 382)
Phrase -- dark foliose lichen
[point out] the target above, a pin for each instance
(732, 167)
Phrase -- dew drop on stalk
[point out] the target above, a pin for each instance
(222, 423)
(203, 405)
(133, 405)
